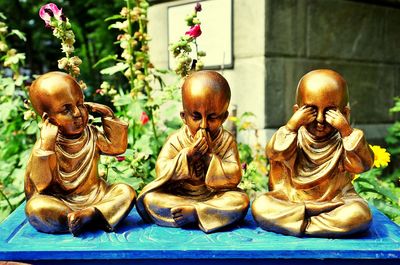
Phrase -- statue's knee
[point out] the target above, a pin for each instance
(126, 190)
(149, 198)
(361, 212)
(355, 216)
(41, 216)
(34, 207)
(260, 204)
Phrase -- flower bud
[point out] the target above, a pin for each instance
(76, 61)
(62, 63)
(124, 12)
(75, 70)
(67, 48)
(3, 46)
(201, 53)
(105, 85)
(127, 73)
(138, 65)
(82, 84)
(28, 115)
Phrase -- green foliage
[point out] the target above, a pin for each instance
(393, 137)
(149, 106)
(16, 133)
(381, 190)
(182, 49)
(381, 187)
(254, 163)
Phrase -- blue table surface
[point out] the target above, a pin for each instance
(135, 239)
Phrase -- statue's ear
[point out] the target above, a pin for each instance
(295, 108)
(182, 114)
(346, 112)
(226, 114)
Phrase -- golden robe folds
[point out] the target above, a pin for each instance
(310, 185)
(58, 182)
(210, 189)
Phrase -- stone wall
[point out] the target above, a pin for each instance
(278, 41)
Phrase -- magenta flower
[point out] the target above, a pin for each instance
(50, 10)
(194, 31)
(120, 158)
(197, 8)
(244, 166)
(144, 118)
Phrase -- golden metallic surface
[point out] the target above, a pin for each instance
(63, 189)
(314, 158)
(198, 168)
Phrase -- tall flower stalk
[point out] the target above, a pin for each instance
(59, 23)
(182, 49)
(134, 61)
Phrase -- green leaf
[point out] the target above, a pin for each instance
(18, 33)
(143, 144)
(114, 69)
(388, 209)
(32, 129)
(114, 17)
(106, 59)
(123, 100)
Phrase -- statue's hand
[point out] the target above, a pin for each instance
(48, 134)
(335, 118)
(303, 116)
(102, 110)
(198, 149)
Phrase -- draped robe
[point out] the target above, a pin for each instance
(211, 189)
(65, 180)
(310, 184)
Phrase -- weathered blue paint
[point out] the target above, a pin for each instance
(135, 242)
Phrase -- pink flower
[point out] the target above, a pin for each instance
(194, 31)
(99, 91)
(50, 10)
(120, 158)
(144, 118)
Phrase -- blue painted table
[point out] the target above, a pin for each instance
(135, 242)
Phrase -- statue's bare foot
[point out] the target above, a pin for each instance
(78, 219)
(184, 215)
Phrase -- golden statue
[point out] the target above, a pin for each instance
(198, 168)
(314, 158)
(63, 190)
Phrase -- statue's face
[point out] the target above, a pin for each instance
(204, 109)
(66, 109)
(321, 98)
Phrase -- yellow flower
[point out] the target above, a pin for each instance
(233, 118)
(381, 156)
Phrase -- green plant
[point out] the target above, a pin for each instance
(393, 137)
(149, 106)
(378, 188)
(254, 162)
(17, 123)
(182, 49)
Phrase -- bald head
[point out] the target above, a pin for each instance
(206, 87)
(323, 84)
(50, 89)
